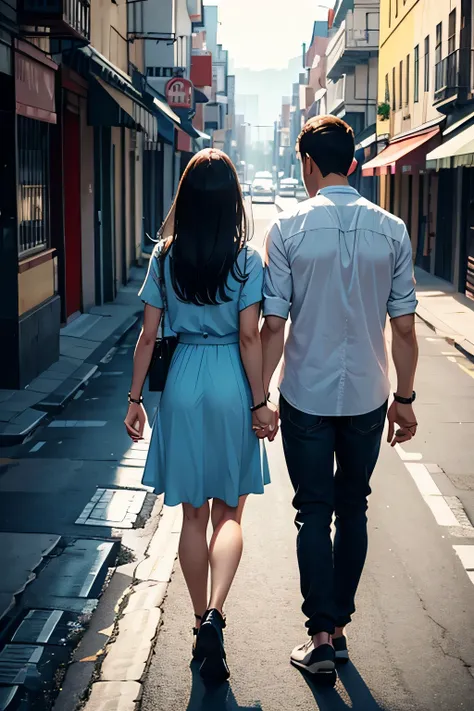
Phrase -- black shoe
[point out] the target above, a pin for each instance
(197, 651)
(340, 648)
(214, 667)
(318, 661)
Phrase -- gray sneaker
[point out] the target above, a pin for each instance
(318, 661)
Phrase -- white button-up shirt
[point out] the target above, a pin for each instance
(337, 264)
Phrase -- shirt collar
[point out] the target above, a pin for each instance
(330, 189)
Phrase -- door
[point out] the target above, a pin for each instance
(422, 221)
(466, 271)
(72, 211)
(444, 232)
(104, 171)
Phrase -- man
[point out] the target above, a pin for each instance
(337, 264)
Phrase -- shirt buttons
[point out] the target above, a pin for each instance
(205, 335)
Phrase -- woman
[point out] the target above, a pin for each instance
(203, 447)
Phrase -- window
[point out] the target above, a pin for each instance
(452, 32)
(427, 63)
(387, 90)
(33, 185)
(396, 8)
(394, 105)
(407, 94)
(400, 86)
(439, 36)
(416, 78)
(389, 13)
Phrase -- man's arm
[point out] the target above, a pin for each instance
(404, 353)
(273, 341)
(401, 308)
(277, 296)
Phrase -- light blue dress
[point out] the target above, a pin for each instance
(202, 446)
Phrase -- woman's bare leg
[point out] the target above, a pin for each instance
(225, 549)
(194, 555)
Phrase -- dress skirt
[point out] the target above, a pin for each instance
(202, 445)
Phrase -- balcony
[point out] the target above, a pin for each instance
(65, 19)
(348, 47)
(452, 79)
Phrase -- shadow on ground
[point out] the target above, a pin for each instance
(221, 698)
(329, 699)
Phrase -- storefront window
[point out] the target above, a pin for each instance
(33, 185)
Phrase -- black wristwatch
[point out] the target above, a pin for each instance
(405, 400)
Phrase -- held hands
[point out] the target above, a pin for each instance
(265, 422)
(404, 417)
(135, 421)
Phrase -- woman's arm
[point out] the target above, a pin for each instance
(251, 351)
(265, 418)
(136, 416)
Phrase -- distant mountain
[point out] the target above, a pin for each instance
(270, 85)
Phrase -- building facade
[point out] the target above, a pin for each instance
(425, 101)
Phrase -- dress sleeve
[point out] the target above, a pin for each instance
(150, 292)
(402, 300)
(252, 290)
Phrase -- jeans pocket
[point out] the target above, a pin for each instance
(370, 421)
(302, 421)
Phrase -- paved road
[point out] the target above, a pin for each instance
(411, 641)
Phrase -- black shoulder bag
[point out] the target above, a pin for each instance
(164, 346)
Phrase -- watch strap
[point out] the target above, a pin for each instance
(404, 400)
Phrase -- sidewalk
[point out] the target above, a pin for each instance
(82, 345)
(449, 313)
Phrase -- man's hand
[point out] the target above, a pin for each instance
(404, 417)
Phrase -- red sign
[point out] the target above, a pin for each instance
(180, 93)
(201, 69)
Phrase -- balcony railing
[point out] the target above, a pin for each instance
(348, 47)
(65, 18)
(452, 75)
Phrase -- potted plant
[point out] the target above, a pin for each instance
(383, 110)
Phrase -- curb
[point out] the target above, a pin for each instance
(441, 329)
(32, 419)
(118, 673)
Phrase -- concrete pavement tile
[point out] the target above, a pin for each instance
(128, 655)
(7, 394)
(20, 555)
(43, 385)
(64, 365)
(21, 400)
(110, 696)
(7, 415)
(146, 596)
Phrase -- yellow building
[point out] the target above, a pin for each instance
(424, 87)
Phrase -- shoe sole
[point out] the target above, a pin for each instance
(214, 667)
(323, 673)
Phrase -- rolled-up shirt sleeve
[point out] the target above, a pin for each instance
(278, 281)
(402, 300)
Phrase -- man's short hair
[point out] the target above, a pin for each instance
(329, 141)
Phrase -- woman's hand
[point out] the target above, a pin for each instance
(135, 421)
(265, 422)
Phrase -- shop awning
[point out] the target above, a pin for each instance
(137, 115)
(111, 82)
(455, 152)
(404, 153)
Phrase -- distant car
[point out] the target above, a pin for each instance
(263, 174)
(288, 187)
(246, 188)
(263, 188)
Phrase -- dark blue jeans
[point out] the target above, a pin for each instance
(330, 573)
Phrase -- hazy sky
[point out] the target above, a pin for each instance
(267, 33)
